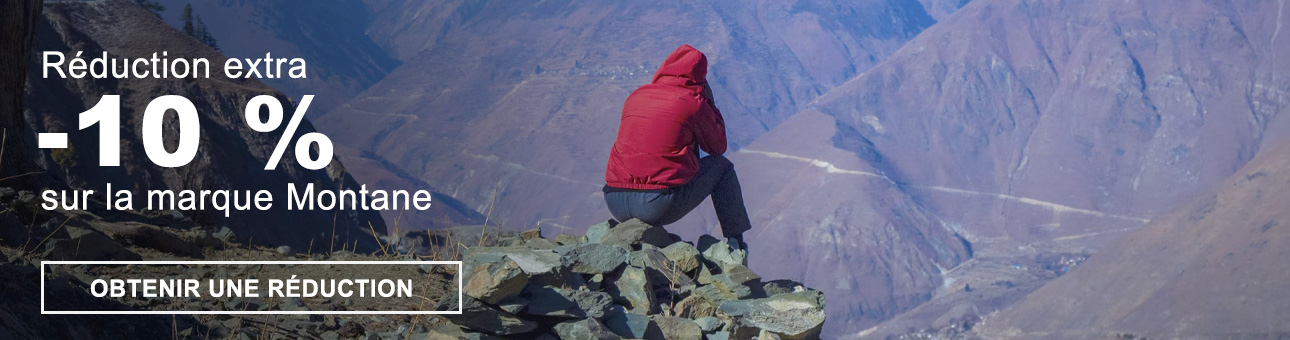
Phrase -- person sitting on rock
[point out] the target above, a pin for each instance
(655, 172)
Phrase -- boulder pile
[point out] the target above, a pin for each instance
(625, 280)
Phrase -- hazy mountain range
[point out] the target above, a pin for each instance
(919, 161)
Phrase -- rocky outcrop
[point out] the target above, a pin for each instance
(632, 289)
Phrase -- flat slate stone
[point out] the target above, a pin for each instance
(674, 328)
(631, 325)
(797, 315)
(567, 303)
(584, 329)
(634, 233)
(480, 317)
(594, 258)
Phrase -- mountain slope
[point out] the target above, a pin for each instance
(1215, 268)
(826, 218)
(1042, 129)
(1070, 121)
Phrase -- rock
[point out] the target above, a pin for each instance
(695, 306)
(596, 282)
(292, 304)
(286, 251)
(708, 324)
(232, 323)
(791, 316)
(531, 234)
(240, 303)
(564, 239)
(714, 294)
(594, 258)
(729, 289)
(515, 305)
(633, 233)
(492, 278)
(510, 241)
(740, 331)
(719, 335)
(532, 261)
(447, 332)
(661, 271)
(86, 244)
(74, 275)
(148, 236)
(631, 325)
(768, 335)
(738, 281)
(659, 266)
(567, 303)
(545, 336)
(741, 275)
(684, 255)
(634, 290)
(584, 329)
(650, 258)
(674, 328)
(199, 238)
(718, 253)
(541, 243)
(782, 286)
(705, 272)
(225, 234)
(483, 318)
(542, 266)
(26, 196)
(7, 193)
(350, 330)
(597, 231)
(565, 249)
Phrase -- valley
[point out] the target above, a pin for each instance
(937, 168)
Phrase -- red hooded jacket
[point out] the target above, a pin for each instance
(661, 124)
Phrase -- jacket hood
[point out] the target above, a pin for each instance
(686, 66)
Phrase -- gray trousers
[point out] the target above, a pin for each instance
(716, 178)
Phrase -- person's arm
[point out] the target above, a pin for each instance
(711, 126)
